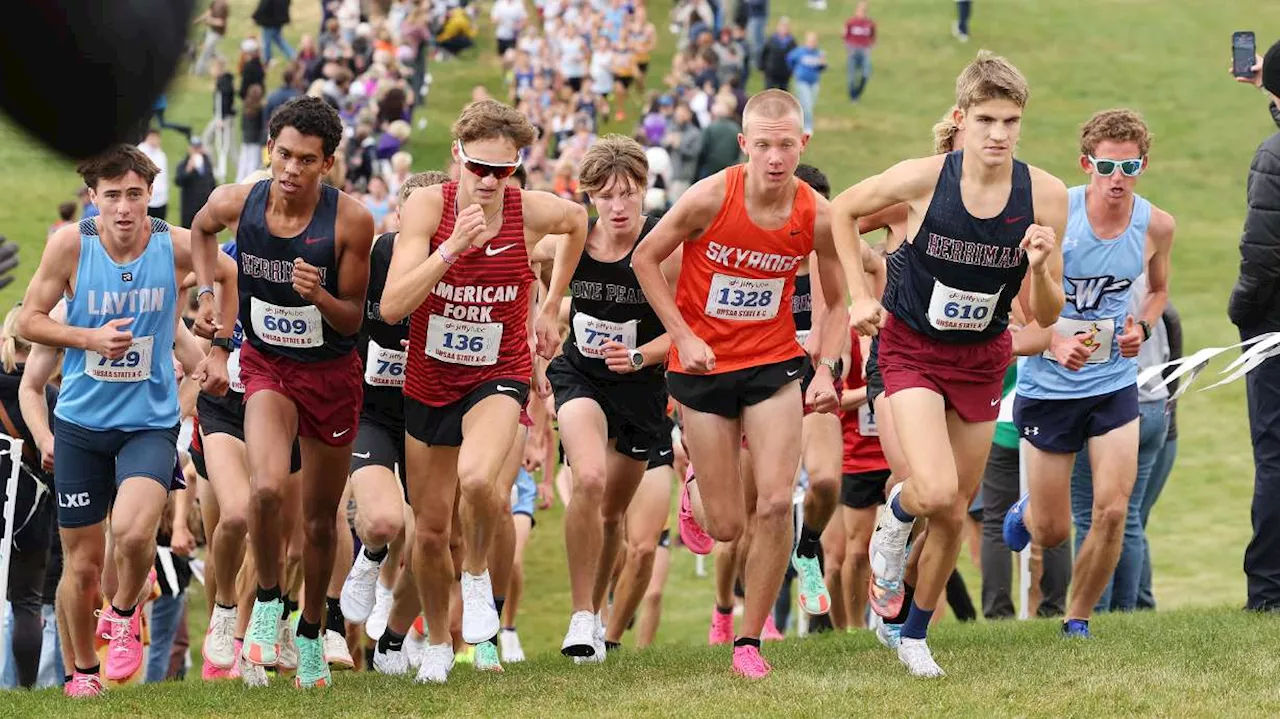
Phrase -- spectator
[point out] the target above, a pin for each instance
(215, 21)
(272, 16)
(757, 12)
(507, 16)
(458, 33)
(253, 133)
(66, 215)
(859, 38)
(1254, 307)
(1166, 347)
(684, 144)
(88, 209)
(719, 141)
(157, 111)
(290, 88)
(602, 66)
(218, 132)
(960, 28)
(807, 64)
(194, 177)
(773, 61)
(159, 204)
(251, 70)
(657, 120)
(573, 60)
(624, 75)
(731, 57)
(378, 201)
(401, 171)
(644, 38)
(308, 53)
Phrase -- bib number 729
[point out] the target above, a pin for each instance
(129, 359)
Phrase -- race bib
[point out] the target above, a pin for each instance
(952, 309)
(867, 421)
(287, 326)
(1099, 344)
(802, 336)
(467, 343)
(234, 383)
(133, 366)
(591, 334)
(739, 298)
(384, 367)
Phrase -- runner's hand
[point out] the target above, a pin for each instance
(696, 356)
(546, 327)
(1130, 339)
(821, 396)
(181, 542)
(1071, 352)
(866, 317)
(540, 383)
(207, 323)
(1039, 242)
(46, 456)
(468, 227)
(617, 357)
(544, 495)
(306, 279)
(112, 340)
(211, 373)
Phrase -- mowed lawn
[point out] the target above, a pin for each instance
(1168, 61)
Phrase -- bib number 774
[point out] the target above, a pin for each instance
(591, 334)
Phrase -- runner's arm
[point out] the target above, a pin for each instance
(345, 312)
(544, 252)
(52, 279)
(827, 278)
(414, 269)
(220, 211)
(547, 214)
(692, 213)
(1044, 294)
(873, 264)
(39, 368)
(1160, 232)
(225, 278)
(187, 348)
(883, 219)
(851, 399)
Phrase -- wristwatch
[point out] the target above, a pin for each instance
(637, 359)
(225, 343)
(1146, 329)
(831, 364)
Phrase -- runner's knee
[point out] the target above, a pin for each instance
(773, 507)
(641, 553)
(588, 484)
(935, 502)
(85, 571)
(1050, 531)
(232, 524)
(476, 488)
(726, 526)
(380, 530)
(857, 553)
(319, 531)
(432, 541)
(825, 485)
(133, 540)
(1108, 517)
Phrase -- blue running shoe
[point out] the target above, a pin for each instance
(1016, 534)
(1076, 629)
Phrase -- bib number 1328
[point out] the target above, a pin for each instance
(741, 298)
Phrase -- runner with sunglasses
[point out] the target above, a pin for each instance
(460, 270)
(304, 266)
(1083, 390)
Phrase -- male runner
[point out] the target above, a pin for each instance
(1084, 389)
(610, 393)
(735, 363)
(304, 266)
(979, 218)
(461, 269)
(117, 416)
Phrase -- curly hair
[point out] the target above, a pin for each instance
(309, 116)
(1120, 125)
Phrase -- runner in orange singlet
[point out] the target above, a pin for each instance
(735, 362)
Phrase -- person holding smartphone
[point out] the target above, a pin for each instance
(1254, 307)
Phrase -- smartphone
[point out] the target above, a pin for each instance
(1244, 50)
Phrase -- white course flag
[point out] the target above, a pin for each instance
(1261, 348)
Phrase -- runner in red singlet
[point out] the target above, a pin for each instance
(461, 269)
(735, 364)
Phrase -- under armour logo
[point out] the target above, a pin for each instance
(1030, 431)
(1087, 292)
(71, 501)
(126, 277)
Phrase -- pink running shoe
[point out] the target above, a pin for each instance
(747, 662)
(770, 632)
(721, 628)
(234, 671)
(214, 673)
(83, 686)
(693, 535)
(124, 648)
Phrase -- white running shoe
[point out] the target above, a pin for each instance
(480, 620)
(357, 598)
(915, 654)
(415, 645)
(597, 642)
(377, 622)
(509, 642)
(580, 640)
(889, 543)
(287, 659)
(336, 651)
(437, 660)
(888, 634)
(252, 674)
(393, 663)
(220, 640)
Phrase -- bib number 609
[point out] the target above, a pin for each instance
(284, 326)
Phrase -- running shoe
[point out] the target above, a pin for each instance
(915, 654)
(466, 656)
(84, 686)
(814, 598)
(888, 634)
(748, 663)
(579, 641)
(721, 628)
(285, 639)
(437, 660)
(377, 623)
(691, 533)
(599, 650)
(313, 670)
(210, 672)
(509, 642)
(124, 645)
(260, 645)
(219, 648)
(391, 662)
(1076, 629)
(336, 651)
(480, 620)
(102, 635)
(890, 545)
(770, 632)
(251, 674)
(415, 645)
(234, 673)
(1016, 534)
(486, 657)
(357, 598)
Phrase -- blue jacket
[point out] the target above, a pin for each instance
(806, 64)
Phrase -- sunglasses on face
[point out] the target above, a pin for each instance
(498, 170)
(1107, 168)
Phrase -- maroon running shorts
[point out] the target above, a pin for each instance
(328, 394)
(970, 377)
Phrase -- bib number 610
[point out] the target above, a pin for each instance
(284, 326)
(957, 310)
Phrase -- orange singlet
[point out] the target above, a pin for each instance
(736, 283)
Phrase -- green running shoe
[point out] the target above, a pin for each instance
(264, 629)
(486, 657)
(813, 587)
(313, 670)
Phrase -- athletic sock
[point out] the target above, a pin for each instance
(390, 642)
(723, 610)
(746, 642)
(377, 556)
(908, 595)
(269, 595)
(917, 624)
(308, 630)
(289, 607)
(334, 621)
(498, 603)
(220, 605)
(66, 678)
(91, 670)
(123, 612)
(511, 628)
(611, 646)
(901, 514)
(810, 542)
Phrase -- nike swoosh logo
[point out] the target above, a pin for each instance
(504, 388)
(361, 456)
(664, 452)
(339, 434)
(793, 373)
(1011, 220)
(639, 449)
(313, 240)
(796, 232)
(491, 251)
(995, 401)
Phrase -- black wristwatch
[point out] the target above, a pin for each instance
(1146, 329)
(225, 343)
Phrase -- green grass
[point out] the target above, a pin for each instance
(1165, 59)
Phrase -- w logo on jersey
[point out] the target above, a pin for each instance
(1087, 292)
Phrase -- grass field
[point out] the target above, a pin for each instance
(1166, 59)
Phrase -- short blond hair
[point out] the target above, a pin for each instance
(772, 104)
(1120, 125)
(944, 133)
(990, 77)
(419, 180)
(613, 156)
(12, 343)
